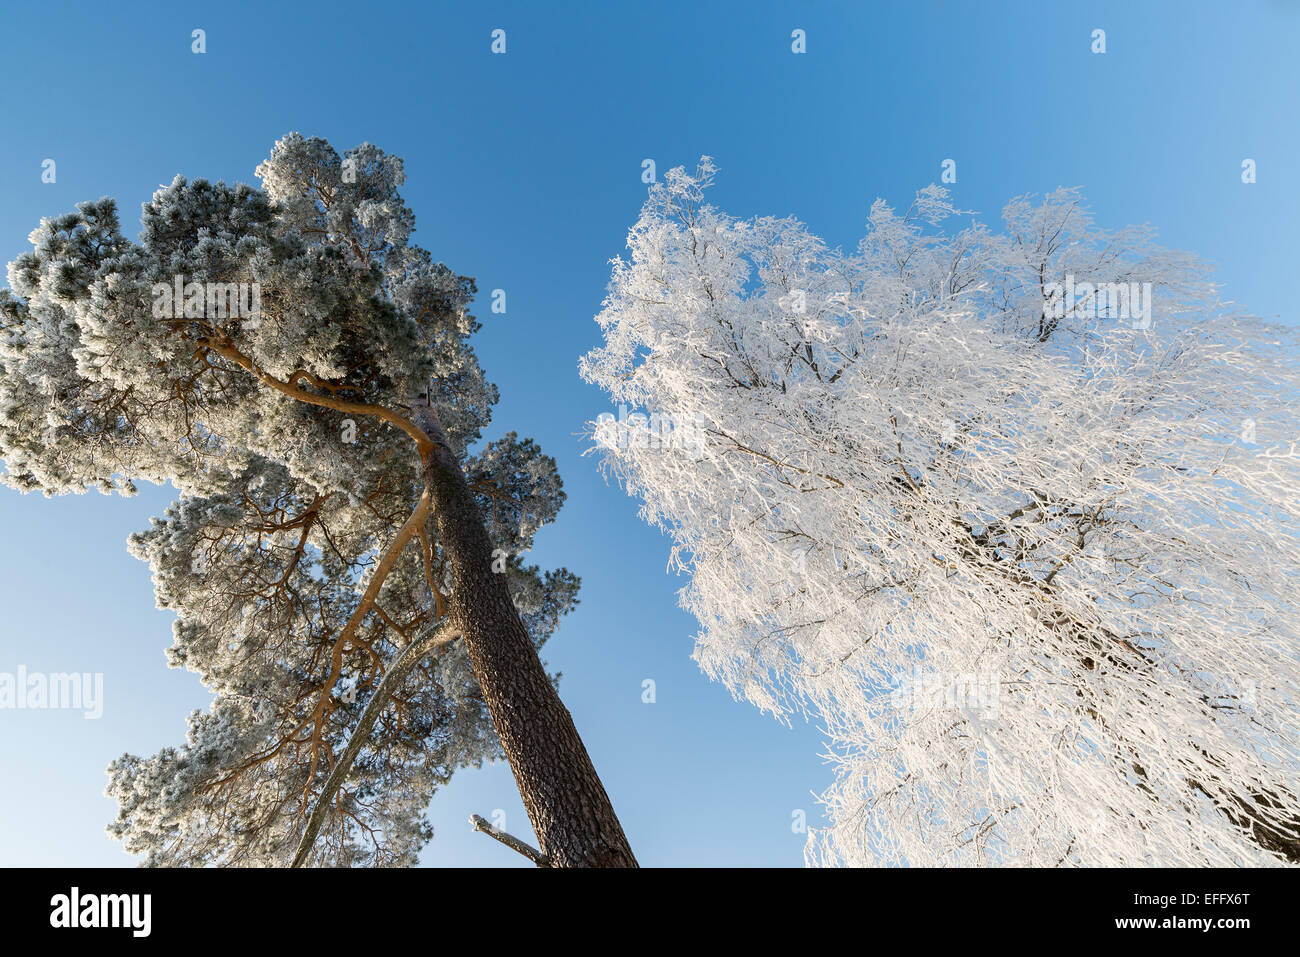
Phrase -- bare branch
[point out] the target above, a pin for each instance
(510, 841)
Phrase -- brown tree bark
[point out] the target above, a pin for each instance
(564, 797)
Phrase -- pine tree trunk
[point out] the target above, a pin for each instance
(565, 800)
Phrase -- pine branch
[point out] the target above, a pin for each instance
(437, 636)
(510, 841)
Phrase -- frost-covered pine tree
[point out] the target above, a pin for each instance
(1012, 513)
(345, 569)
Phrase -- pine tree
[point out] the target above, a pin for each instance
(344, 567)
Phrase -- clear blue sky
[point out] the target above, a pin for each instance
(524, 171)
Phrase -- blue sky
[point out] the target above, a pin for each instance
(524, 171)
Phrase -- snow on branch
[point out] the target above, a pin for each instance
(1012, 514)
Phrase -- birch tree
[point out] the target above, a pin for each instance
(1011, 513)
(345, 556)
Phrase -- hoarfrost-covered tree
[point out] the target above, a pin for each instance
(1013, 514)
(345, 571)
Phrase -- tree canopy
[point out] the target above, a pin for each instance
(298, 558)
(1012, 514)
